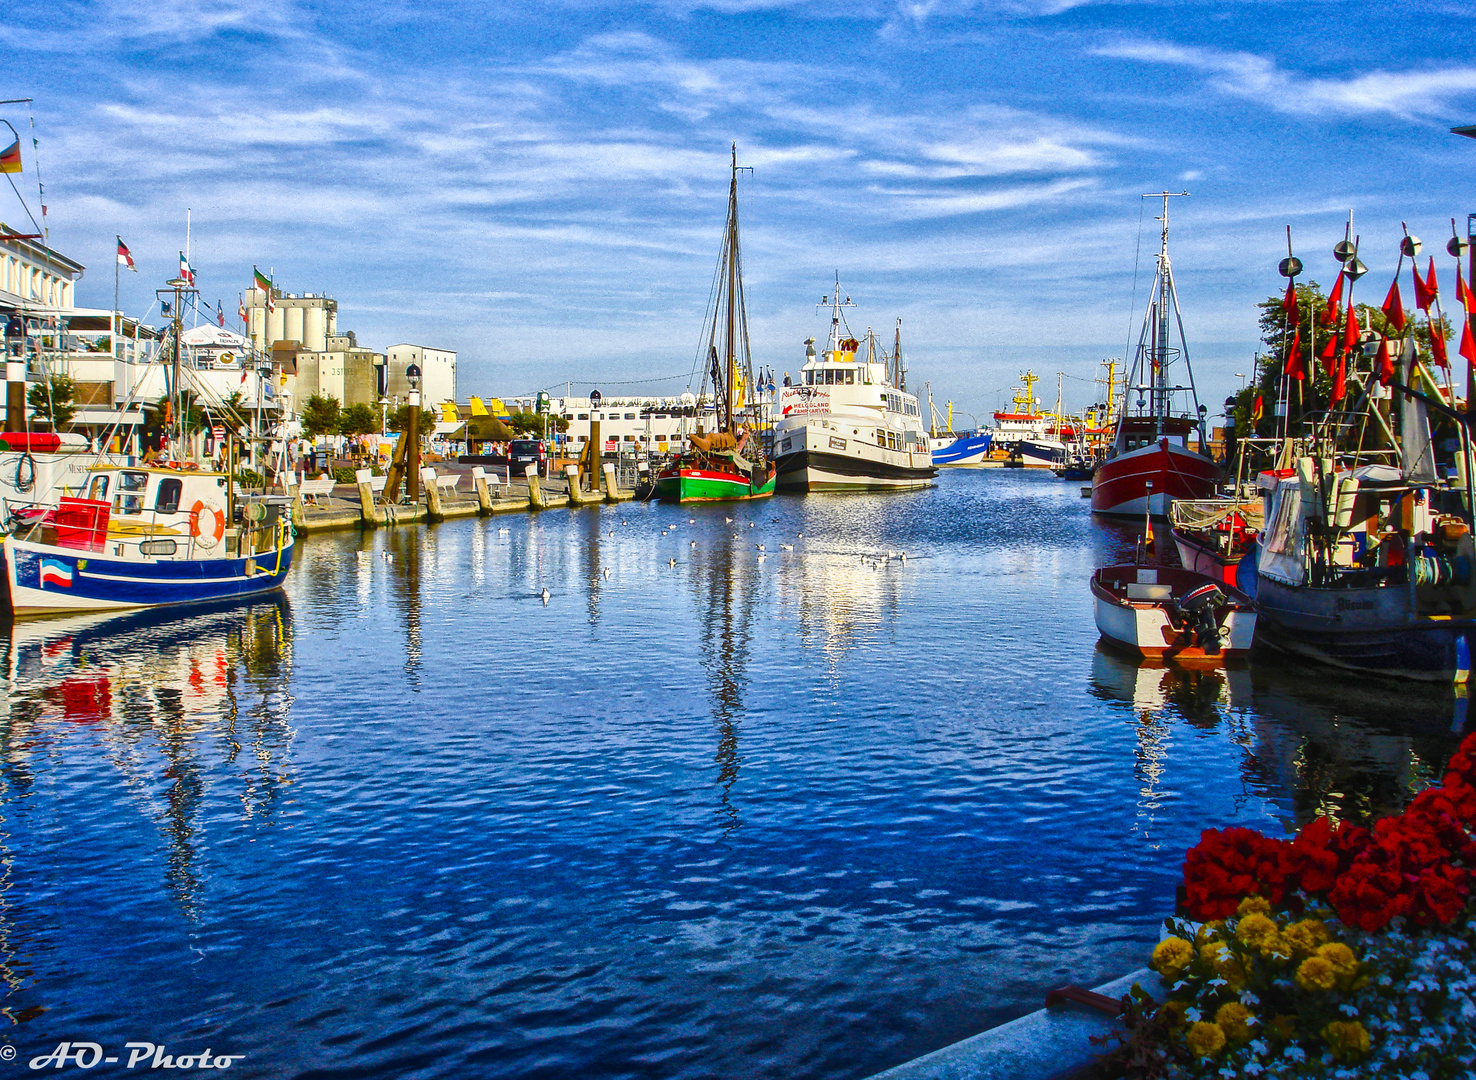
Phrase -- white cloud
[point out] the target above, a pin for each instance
(1408, 94)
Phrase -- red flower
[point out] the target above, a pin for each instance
(1227, 866)
(1369, 895)
(1322, 852)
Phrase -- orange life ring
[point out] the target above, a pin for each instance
(207, 538)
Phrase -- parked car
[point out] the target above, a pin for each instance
(524, 452)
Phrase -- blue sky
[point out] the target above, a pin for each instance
(542, 186)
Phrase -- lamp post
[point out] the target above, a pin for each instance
(412, 432)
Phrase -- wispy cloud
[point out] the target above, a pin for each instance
(1411, 95)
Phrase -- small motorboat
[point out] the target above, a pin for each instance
(1166, 613)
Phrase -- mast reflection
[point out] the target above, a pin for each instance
(726, 595)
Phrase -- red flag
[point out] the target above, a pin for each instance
(1334, 301)
(1464, 295)
(1437, 348)
(1394, 306)
(125, 257)
(1422, 291)
(1468, 343)
(1350, 331)
(1386, 362)
(1432, 287)
(1329, 354)
(1339, 387)
(1294, 366)
(1256, 410)
(1289, 301)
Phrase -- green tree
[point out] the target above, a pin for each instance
(527, 423)
(399, 420)
(358, 419)
(54, 401)
(320, 416)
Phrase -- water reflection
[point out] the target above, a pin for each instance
(1311, 741)
(726, 600)
(171, 700)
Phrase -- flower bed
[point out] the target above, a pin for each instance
(1345, 952)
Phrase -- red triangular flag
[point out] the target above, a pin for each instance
(1386, 362)
(1350, 331)
(1394, 306)
(1294, 367)
(1339, 387)
(1289, 301)
(1334, 301)
(1437, 348)
(1432, 287)
(1422, 292)
(1464, 295)
(1329, 354)
(1468, 343)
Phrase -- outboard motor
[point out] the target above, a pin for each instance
(1199, 605)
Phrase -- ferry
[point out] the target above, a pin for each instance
(850, 424)
(146, 536)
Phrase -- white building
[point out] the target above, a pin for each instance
(437, 373)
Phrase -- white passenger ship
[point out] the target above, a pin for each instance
(850, 425)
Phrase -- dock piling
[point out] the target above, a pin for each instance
(432, 494)
(367, 509)
(484, 494)
(536, 500)
(612, 493)
(576, 495)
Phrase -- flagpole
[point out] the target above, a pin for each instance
(116, 327)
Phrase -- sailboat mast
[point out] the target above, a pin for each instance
(731, 330)
(1160, 352)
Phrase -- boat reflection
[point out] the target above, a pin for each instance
(176, 702)
(1313, 744)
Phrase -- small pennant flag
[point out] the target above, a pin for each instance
(1334, 302)
(1394, 306)
(10, 158)
(125, 257)
(1385, 362)
(1437, 348)
(1468, 343)
(1329, 354)
(241, 307)
(1289, 301)
(1294, 367)
(1350, 331)
(1339, 387)
(1422, 291)
(1432, 287)
(1464, 295)
(186, 272)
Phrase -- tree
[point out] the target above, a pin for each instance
(527, 423)
(54, 401)
(399, 420)
(319, 416)
(358, 419)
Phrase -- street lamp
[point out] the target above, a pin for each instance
(412, 433)
(1241, 376)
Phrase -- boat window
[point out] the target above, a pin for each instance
(133, 481)
(128, 502)
(583, 416)
(881, 437)
(830, 375)
(97, 491)
(167, 500)
(630, 416)
(850, 377)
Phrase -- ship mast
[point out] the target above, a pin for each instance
(730, 367)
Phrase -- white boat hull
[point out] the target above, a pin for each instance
(813, 457)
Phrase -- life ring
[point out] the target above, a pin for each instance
(209, 537)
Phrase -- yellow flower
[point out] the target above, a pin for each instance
(1340, 957)
(1255, 929)
(1171, 956)
(1205, 1039)
(1172, 1013)
(1228, 967)
(1316, 973)
(1211, 951)
(1208, 932)
(1305, 936)
(1347, 1039)
(1254, 905)
(1235, 1020)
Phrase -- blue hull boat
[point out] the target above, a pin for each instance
(968, 449)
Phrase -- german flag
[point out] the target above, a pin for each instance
(10, 158)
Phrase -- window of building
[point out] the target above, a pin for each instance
(630, 416)
(583, 416)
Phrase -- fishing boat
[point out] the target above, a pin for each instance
(969, 448)
(850, 424)
(36, 469)
(729, 463)
(1150, 462)
(149, 536)
(1171, 614)
(1366, 560)
(1213, 536)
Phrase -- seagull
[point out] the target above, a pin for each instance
(735, 536)
(750, 524)
(691, 521)
(671, 562)
(761, 547)
(801, 536)
(728, 520)
(612, 534)
(607, 573)
(694, 543)
(389, 556)
(902, 555)
(786, 547)
(503, 531)
(762, 557)
(545, 597)
(625, 523)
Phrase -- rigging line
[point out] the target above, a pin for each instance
(36, 157)
(1133, 303)
(23, 203)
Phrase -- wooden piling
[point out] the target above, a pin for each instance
(576, 495)
(432, 495)
(612, 493)
(536, 501)
(369, 512)
(484, 493)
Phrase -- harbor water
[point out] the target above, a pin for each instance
(802, 812)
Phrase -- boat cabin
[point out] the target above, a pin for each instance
(1136, 432)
